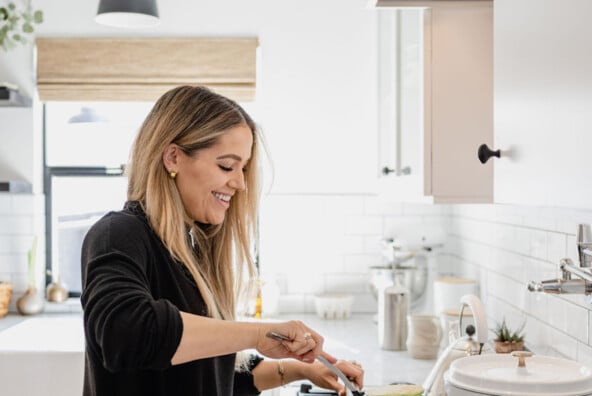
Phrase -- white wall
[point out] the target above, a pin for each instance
(316, 101)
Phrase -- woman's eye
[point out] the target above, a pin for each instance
(225, 168)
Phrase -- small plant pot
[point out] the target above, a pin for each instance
(508, 347)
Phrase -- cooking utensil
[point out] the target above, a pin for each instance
(351, 387)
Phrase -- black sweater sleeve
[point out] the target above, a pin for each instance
(125, 326)
(243, 380)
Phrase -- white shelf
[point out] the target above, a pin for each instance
(12, 98)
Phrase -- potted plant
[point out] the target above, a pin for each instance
(506, 340)
(17, 23)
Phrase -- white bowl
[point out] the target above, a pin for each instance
(334, 306)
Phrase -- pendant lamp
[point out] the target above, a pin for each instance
(87, 115)
(128, 13)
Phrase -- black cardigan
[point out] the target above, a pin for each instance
(132, 292)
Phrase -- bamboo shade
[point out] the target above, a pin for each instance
(142, 69)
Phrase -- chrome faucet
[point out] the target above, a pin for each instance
(584, 241)
(565, 284)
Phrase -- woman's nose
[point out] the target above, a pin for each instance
(238, 181)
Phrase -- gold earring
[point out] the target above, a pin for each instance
(172, 174)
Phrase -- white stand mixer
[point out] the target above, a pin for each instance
(474, 343)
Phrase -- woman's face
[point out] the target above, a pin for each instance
(208, 180)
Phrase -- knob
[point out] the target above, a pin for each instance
(386, 170)
(484, 153)
(470, 330)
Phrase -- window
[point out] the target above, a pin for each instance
(83, 177)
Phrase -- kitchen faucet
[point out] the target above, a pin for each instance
(565, 284)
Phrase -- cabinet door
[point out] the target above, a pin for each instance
(543, 97)
(438, 107)
(461, 103)
(402, 51)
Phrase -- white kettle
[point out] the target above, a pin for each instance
(473, 343)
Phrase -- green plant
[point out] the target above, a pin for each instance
(504, 334)
(17, 23)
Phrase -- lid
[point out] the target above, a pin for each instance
(456, 312)
(499, 374)
(449, 279)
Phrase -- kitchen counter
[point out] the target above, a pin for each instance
(357, 339)
(51, 340)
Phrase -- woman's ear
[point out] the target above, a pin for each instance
(169, 157)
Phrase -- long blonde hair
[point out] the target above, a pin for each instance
(193, 118)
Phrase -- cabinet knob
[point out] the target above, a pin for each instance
(386, 170)
(484, 153)
(405, 171)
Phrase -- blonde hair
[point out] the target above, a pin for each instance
(193, 118)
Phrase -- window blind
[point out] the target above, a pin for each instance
(142, 69)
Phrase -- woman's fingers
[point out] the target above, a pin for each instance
(298, 341)
(353, 370)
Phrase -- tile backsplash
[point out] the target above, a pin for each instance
(312, 244)
(505, 247)
(21, 218)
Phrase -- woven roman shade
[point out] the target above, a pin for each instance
(142, 69)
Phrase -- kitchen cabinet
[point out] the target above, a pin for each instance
(543, 97)
(436, 101)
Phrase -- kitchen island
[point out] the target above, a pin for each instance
(46, 352)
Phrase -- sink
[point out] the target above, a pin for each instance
(43, 356)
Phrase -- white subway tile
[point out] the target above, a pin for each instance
(397, 226)
(563, 343)
(364, 303)
(363, 225)
(305, 281)
(379, 205)
(360, 263)
(584, 354)
(354, 244)
(16, 225)
(556, 247)
(346, 283)
(5, 204)
(576, 321)
(538, 244)
(372, 244)
(291, 303)
(23, 204)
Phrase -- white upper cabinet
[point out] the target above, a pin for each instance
(543, 102)
(436, 101)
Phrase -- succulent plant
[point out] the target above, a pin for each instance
(504, 334)
(17, 23)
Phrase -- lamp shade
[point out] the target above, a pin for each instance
(87, 115)
(128, 13)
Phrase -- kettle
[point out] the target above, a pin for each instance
(474, 342)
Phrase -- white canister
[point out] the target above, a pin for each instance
(424, 336)
(449, 290)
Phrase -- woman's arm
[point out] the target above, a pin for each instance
(204, 337)
(268, 374)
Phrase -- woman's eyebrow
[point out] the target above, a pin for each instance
(233, 156)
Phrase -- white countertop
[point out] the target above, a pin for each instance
(352, 339)
(357, 339)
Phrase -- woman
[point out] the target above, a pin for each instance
(160, 277)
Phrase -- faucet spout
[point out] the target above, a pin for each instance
(561, 286)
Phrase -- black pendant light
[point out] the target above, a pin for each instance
(128, 13)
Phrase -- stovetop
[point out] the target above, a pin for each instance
(309, 390)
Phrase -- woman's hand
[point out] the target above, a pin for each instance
(300, 342)
(323, 377)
